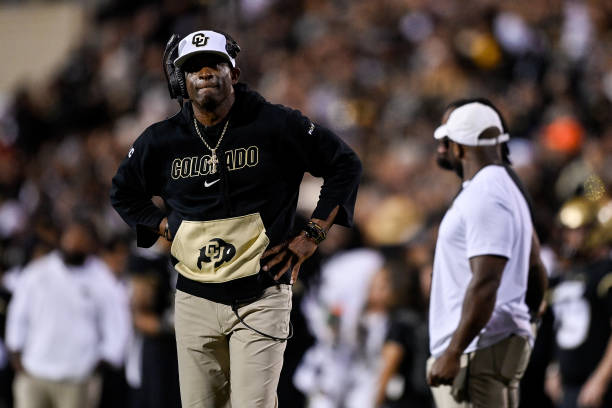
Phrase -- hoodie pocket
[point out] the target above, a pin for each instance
(221, 250)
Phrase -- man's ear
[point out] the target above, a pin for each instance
(458, 150)
(235, 73)
(461, 151)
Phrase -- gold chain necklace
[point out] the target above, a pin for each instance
(213, 161)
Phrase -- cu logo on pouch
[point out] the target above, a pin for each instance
(217, 251)
(199, 40)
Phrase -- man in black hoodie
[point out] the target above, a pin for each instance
(228, 167)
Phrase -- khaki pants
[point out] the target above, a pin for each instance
(222, 363)
(32, 392)
(493, 376)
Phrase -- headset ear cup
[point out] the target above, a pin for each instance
(181, 86)
(174, 76)
(232, 48)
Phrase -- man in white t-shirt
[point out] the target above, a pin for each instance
(480, 330)
(65, 319)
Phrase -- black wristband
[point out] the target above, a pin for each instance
(315, 232)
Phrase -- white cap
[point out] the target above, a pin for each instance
(202, 41)
(468, 121)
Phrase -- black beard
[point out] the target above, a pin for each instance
(447, 165)
(444, 163)
(209, 104)
(206, 103)
(74, 258)
(459, 170)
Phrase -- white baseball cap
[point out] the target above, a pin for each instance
(200, 42)
(468, 121)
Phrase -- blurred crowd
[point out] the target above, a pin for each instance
(379, 74)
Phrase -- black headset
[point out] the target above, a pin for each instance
(175, 76)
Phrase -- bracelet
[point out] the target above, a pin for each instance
(315, 232)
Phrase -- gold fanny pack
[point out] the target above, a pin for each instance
(220, 250)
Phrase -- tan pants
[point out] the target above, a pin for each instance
(32, 392)
(493, 376)
(221, 362)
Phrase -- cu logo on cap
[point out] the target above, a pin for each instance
(199, 40)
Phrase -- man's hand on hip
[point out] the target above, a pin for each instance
(444, 370)
(296, 250)
(292, 253)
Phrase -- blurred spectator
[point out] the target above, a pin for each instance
(347, 319)
(405, 351)
(114, 254)
(152, 369)
(65, 321)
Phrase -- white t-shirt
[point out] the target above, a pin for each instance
(489, 217)
(66, 319)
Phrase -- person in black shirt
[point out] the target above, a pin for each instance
(406, 349)
(582, 304)
(228, 167)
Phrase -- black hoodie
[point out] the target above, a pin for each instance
(262, 158)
